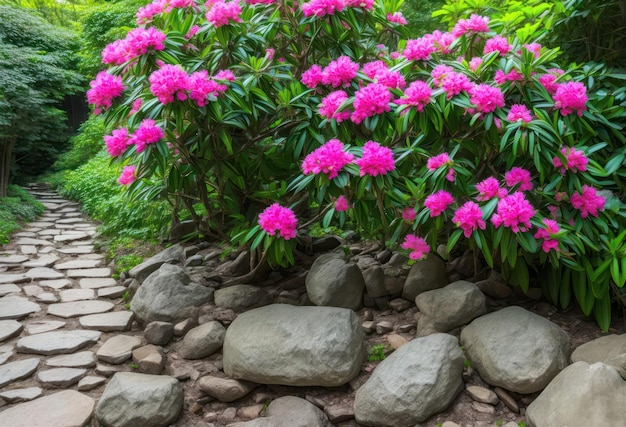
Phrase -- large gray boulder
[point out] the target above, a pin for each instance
(298, 346)
(610, 349)
(425, 275)
(515, 349)
(131, 400)
(333, 281)
(581, 395)
(202, 341)
(168, 295)
(289, 411)
(418, 380)
(172, 255)
(241, 297)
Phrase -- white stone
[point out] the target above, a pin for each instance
(77, 263)
(30, 249)
(76, 250)
(70, 295)
(61, 377)
(69, 237)
(17, 370)
(118, 349)
(82, 359)
(42, 261)
(65, 408)
(89, 272)
(12, 259)
(41, 326)
(90, 382)
(95, 283)
(47, 298)
(13, 278)
(33, 242)
(12, 307)
(9, 289)
(56, 284)
(9, 329)
(43, 273)
(112, 292)
(57, 342)
(79, 308)
(116, 321)
(32, 290)
(47, 250)
(21, 394)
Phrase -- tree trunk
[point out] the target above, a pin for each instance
(6, 155)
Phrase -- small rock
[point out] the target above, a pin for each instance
(383, 327)
(202, 341)
(21, 394)
(46, 298)
(368, 315)
(399, 304)
(250, 412)
(107, 370)
(60, 377)
(159, 333)
(90, 382)
(225, 389)
(450, 424)
(184, 326)
(340, 412)
(369, 326)
(406, 328)
(118, 349)
(396, 341)
(227, 416)
(149, 359)
(483, 395)
(483, 408)
(507, 399)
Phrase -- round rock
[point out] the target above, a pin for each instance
(202, 341)
(425, 275)
(241, 297)
(334, 282)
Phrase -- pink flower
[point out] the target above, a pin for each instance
(149, 11)
(488, 189)
(379, 71)
(575, 160)
(439, 73)
(588, 202)
(514, 212)
(128, 175)
(469, 218)
(365, 4)
(103, 89)
(312, 77)
(417, 245)
(511, 76)
(220, 12)
(438, 202)
(137, 42)
(497, 44)
(549, 82)
(117, 142)
(339, 72)
(328, 159)
(396, 18)
(269, 52)
(376, 160)
(570, 97)
(454, 83)
(549, 243)
(331, 103)
(476, 24)
(442, 41)
(417, 95)
(486, 98)
(170, 81)
(201, 87)
(439, 160)
(420, 49)
(341, 204)
(519, 112)
(253, 2)
(147, 133)
(475, 63)
(321, 8)
(369, 100)
(371, 69)
(535, 48)
(278, 218)
(136, 105)
(409, 215)
(180, 4)
(518, 176)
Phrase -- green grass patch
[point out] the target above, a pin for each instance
(17, 208)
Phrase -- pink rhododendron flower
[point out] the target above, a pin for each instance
(570, 97)
(321, 8)
(128, 175)
(253, 2)
(549, 243)
(486, 98)
(439, 73)
(339, 72)
(312, 77)
(519, 112)
(469, 218)
(278, 218)
(497, 44)
(396, 18)
(331, 103)
(514, 212)
(417, 95)
(512, 76)
(328, 159)
(476, 24)
(180, 4)
(149, 11)
(201, 86)
(549, 82)
(192, 32)
(379, 71)
(147, 133)
(137, 42)
(224, 75)
(269, 52)
(409, 215)
(117, 142)
(341, 204)
(170, 81)
(364, 4)
(104, 88)
(576, 160)
(442, 41)
(535, 48)
(518, 176)
(438, 202)
(417, 245)
(454, 83)
(371, 69)
(220, 12)
(440, 160)
(475, 62)
(376, 160)
(369, 100)
(420, 49)
(136, 105)
(588, 202)
(488, 189)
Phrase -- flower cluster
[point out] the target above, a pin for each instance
(330, 105)
(117, 142)
(476, 24)
(588, 202)
(279, 218)
(417, 245)
(376, 160)
(519, 176)
(519, 112)
(370, 100)
(341, 204)
(104, 88)
(549, 242)
(328, 159)
(490, 188)
(220, 12)
(570, 97)
(514, 211)
(340, 72)
(396, 18)
(438, 202)
(147, 13)
(128, 176)
(486, 98)
(469, 218)
(440, 160)
(136, 43)
(417, 95)
(575, 160)
(147, 133)
(171, 82)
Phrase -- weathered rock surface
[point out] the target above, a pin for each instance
(290, 411)
(172, 255)
(17, 370)
(225, 389)
(9, 329)
(610, 349)
(240, 297)
(334, 282)
(425, 275)
(202, 341)
(57, 342)
(66, 408)
(118, 349)
(13, 307)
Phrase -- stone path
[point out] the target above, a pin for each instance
(58, 305)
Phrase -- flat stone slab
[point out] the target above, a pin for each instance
(47, 298)
(90, 382)
(57, 342)
(118, 349)
(79, 308)
(12, 307)
(13, 259)
(4, 356)
(9, 329)
(41, 326)
(111, 292)
(69, 221)
(43, 273)
(60, 377)
(96, 283)
(82, 359)
(17, 370)
(65, 408)
(50, 232)
(87, 249)
(67, 237)
(56, 284)
(70, 295)
(77, 263)
(21, 394)
(26, 234)
(33, 242)
(42, 261)
(89, 272)
(116, 321)
(9, 289)
(13, 278)
(31, 249)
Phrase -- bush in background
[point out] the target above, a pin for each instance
(18, 207)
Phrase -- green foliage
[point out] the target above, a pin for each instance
(376, 353)
(19, 206)
(83, 146)
(418, 14)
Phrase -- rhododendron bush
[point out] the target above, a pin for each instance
(253, 117)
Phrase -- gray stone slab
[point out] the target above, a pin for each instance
(78, 263)
(21, 394)
(26, 234)
(41, 326)
(30, 249)
(82, 359)
(4, 356)
(90, 382)
(76, 250)
(69, 237)
(50, 232)
(57, 342)
(72, 214)
(79, 308)
(32, 290)
(52, 206)
(42, 261)
(9, 289)
(32, 242)
(116, 321)
(43, 273)
(90, 272)
(56, 284)
(60, 377)
(81, 243)
(41, 224)
(14, 371)
(9, 329)
(112, 292)
(118, 349)
(13, 278)
(46, 298)
(65, 408)
(13, 259)
(70, 295)
(46, 250)
(69, 220)
(96, 283)
(12, 307)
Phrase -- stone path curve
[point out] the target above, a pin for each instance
(58, 304)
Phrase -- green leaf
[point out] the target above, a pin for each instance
(602, 311)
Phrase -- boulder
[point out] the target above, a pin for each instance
(515, 349)
(241, 297)
(581, 395)
(333, 281)
(202, 341)
(374, 278)
(172, 255)
(425, 275)
(168, 295)
(225, 389)
(289, 411)
(610, 349)
(132, 399)
(290, 345)
(418, 380)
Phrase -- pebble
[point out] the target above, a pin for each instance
(507, 399)
(383, 327)
(483, 408)
(483, 395)
(90, 382)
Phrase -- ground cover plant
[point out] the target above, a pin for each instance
(17, 207)
(252, 116)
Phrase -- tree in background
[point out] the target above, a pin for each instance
(418, 13)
